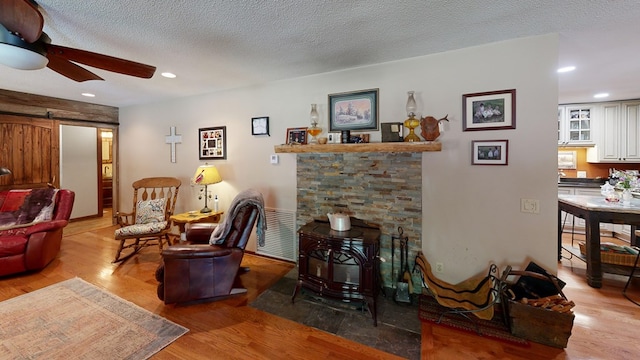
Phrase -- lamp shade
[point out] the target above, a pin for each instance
(19, 54)
(206, 175)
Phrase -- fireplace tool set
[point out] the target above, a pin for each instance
(404, 286)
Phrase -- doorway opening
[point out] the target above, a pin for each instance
(106, 175)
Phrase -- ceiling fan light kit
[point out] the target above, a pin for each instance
(23, 45)
(19, 54)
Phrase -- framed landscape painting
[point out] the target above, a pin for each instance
(494, 110)
(356, 110)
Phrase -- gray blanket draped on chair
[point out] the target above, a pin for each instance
(249, 196)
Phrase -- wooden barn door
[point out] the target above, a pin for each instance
(30, 148)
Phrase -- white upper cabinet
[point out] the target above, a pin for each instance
(575, 125)
(618, 138)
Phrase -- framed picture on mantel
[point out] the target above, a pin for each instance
(494, 110)
(354, 111)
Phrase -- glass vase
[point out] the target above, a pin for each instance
(626, 196)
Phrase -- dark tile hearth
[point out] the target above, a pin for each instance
(398, 330)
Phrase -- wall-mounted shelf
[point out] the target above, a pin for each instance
(368, 147)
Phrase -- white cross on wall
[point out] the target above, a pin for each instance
(173, 139)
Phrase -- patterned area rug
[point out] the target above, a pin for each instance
(495, 328)
(75, 319)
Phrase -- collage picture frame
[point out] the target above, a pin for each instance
(213, 143)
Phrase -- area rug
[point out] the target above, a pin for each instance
(398, 331)
(75, 319)
(495, 328)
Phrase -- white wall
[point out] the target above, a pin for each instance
(79, 167)
(471, 213)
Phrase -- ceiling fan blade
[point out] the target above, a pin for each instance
(103, 62)
(22, 17)
(66, 68)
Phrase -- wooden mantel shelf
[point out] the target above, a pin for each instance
(368, 147)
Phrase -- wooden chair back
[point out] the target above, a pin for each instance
(156, 188)
(134, 237)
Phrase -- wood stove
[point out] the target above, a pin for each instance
(342, 265)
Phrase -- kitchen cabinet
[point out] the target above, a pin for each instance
(622, 231)
(619, 134)
(567, 218)
(575, 125)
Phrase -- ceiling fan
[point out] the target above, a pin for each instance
(23, 45)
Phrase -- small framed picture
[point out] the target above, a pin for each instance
(213, 143)
(297, 135)
(356, 110)
(260, 125)
(489, 152)
(334, 138)
(494, 110)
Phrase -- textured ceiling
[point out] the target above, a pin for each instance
(214, 45)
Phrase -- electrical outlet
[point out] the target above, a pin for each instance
(439, 267)
(531, 206)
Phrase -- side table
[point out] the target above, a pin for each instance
(191, 217)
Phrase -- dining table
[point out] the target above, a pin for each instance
(595, 210)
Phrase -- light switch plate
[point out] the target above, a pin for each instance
(531, 206)
(274, 159)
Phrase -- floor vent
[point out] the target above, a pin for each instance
(280, 238)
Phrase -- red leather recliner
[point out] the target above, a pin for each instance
(34, 247)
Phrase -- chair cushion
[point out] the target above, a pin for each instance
(140, 229)
(150, 211)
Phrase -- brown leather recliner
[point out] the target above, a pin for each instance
(198, 271)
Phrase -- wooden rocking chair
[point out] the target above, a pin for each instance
(148, 224)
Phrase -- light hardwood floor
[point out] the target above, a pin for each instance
(605, 327)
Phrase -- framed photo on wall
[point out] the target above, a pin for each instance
(213, 143)
(297, 136)
(494, 110)
(356, 110)
(260, 125)
(489, 152)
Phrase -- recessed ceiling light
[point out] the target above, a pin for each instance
(566, 69)
(168, 75)
(88, 95)
(601, 95)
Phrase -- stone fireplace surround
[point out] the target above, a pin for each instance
(383, 188)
